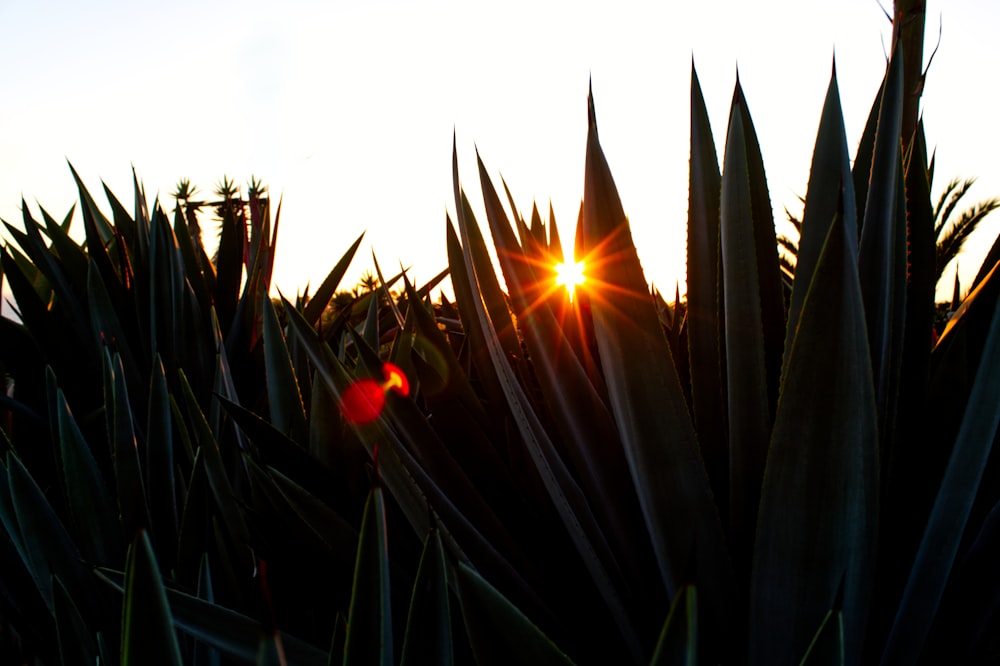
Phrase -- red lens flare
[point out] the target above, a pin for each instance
(364, 400)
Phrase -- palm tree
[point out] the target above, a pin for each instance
(950, 232)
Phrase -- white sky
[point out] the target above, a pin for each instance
(348, 108)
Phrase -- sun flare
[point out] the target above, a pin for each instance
(570, 275)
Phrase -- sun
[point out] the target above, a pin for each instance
(570, 275)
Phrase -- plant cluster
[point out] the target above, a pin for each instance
(781, 470)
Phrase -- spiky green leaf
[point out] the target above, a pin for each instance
(428, 623)
(818, 510)
(678, 643)
(369, 625)
(148, 635)
(91, 504)
(704, 296)
(950, 514)
(647, 399)
(499, 633)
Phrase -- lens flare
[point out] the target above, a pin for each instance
(570, 275)
(364, 400)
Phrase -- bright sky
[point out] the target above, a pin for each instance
(348, 108)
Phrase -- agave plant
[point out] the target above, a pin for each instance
(950, 232)
(779, 471)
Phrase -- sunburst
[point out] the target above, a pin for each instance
(570, 275)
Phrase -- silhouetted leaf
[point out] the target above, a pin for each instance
(148, 635)
(428, 623)
(817, 521)
(369, 626)
(499, 633)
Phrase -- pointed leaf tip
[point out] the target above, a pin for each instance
(591, 111)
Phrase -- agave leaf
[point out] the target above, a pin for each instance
(445, 388)
(537, 227)
(107, 328)
(464, 295)
(46, 547)
(121, 432)
(404, 341)
(992, 257)
(411, 485)
(678, 643)
(228, 631)
(229, 263)
(166, 289)
(99, 234)
(768, 267)
(861, 171)
(429, 343)
(314, 308)
(830, 189)
(224, 386)
(913, 457)
(498, 632)
(124, 223)
(655, 425)
(193, 261)
(8, 515)
(191, 541)
(555, 244)
(141, 218)
(270, 651)
(882, 278)
(203, 654)
(49, 264)
(32, 311)
(827, 646)
(148, 634)
(326, 432)
(952, 507)
(399, 482)
(921, 275)
(428, 623)
(284, 398)
(25, 598)
(480, 268)
(90, 211)
(91, 505)
(383, 288)
(277, 449)
(704, 297)
(72, 257)
(327, 524)
(336, 656)
(159, 476)
(369, 625)
(588, 431)
(565, 494)
(371, 323)
(448, 478)
(975, 596)
(746, 370)
(76, 643)
(218, 481)
(816, 526)
(39, 283)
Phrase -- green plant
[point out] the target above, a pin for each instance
(774, 472)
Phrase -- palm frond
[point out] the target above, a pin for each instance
(951, 241)
(952, 194)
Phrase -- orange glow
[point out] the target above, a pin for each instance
(570, 275)
(364, 400)
(395, 379)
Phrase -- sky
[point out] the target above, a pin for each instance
(347, 110)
